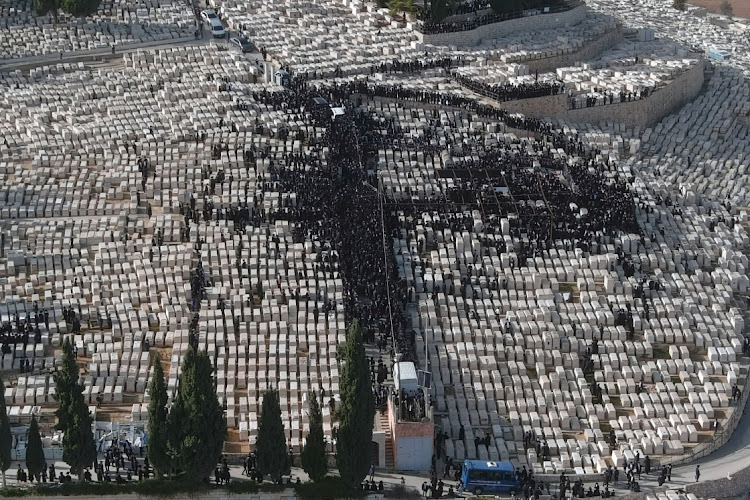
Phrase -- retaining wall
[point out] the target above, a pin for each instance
(730, 487)
(642, 113)
(538, 107)
(591, 49)
(495, 30)
(646, 112)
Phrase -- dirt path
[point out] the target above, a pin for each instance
(741, 8)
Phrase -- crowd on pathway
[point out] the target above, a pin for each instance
(335, 208)
(511, 91)
(457, 9)
(470, 22)
(603, 97)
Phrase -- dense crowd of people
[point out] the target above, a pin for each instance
(511, 91)
(336, 207)
(604, 97)
(469, 23)
(457, 9)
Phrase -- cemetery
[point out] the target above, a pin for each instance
(118, 23)
(550, 219)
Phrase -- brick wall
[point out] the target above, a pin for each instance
(496, 30)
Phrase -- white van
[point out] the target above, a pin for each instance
(217, 28)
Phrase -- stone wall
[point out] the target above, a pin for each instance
(730, 487)
(642, 113)
(591, 49)
(538, 107)
(503, 28)
(646, 112)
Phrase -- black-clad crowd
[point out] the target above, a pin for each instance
(511, 91)
(472, 22)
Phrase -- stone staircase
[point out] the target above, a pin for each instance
(383, 425)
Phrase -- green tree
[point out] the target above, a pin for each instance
(34, 450)
(196, 424)
(79, 8)
(402, 6)
(79, 449)
(6, 438)
(44, 7)
(314, 459)
(726, 8)
(271, 444)
(73, 418)
(438, 10)
(158, 454)
(679, 4)
(66, 385)
(357, 411)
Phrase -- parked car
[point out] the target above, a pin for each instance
(243, 44)
(217, 28)
(207, 15)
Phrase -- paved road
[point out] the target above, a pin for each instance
(86, 56)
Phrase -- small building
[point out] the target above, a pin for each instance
(283, 78)
(718, 54)
(412, 442)
(405, 377)
(337, 111)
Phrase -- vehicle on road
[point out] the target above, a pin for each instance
(243, 44)
(479, 476)
(217, 28)
(207, 15)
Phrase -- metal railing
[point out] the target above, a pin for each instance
(471, 23)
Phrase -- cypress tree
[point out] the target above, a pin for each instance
(314, 459)
(157, 422)
(34, 450)
(439, 10)
(196, 425)
(44, 7)
(66, 385)
(501, 6)
(357, 412)
(79, 8)
(79, 449)
(271, 444)
(6, 438)
(73, 418)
